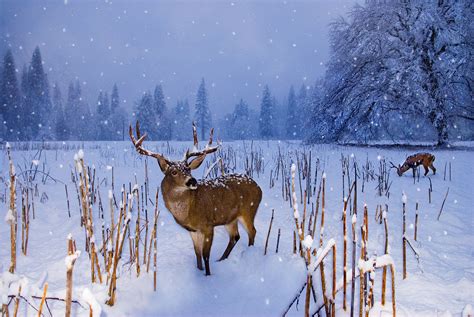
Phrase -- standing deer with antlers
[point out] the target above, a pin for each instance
(199, 206)
(415, 160)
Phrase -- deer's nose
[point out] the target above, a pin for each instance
(191, 183)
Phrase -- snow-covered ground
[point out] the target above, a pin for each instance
(248, 283)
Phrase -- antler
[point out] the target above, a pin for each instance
(393, 165)
(138, 143)
(207, 150)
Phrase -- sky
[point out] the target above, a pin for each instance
(237, 47)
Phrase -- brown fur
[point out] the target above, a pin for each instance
(415, 160)
(199, 206)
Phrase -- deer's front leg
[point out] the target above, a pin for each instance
(206, 249)
(198, 239)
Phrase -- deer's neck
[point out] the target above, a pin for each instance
(178, 200)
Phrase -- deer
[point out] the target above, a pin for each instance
(415, 160)
(201, 205)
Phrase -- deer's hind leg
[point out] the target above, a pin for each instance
(247, 222)
(233, 230)
(426, 169)
(198, 240)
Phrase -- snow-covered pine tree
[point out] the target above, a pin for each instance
(118, 120)
(182, 130)
(203, 114)
(60, 126)
(37, 102)
(114, 99)
(292, 111)
(77, 115)
(145, 114)
(70, 113)
(86, 129)
(161, 112)
(302, 106)
(102, 117)
(10, 101)
(266, 120)
(240, 125)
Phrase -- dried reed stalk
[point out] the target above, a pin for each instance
(384, 273)
(278, 241)
(43, 299)
(70, 261)
(344, 266)
(17, 302)
(321, 269)
(442, 205)
(12, 213)
(268, 233)
(404, 243)
(416, 222)
(118, 251)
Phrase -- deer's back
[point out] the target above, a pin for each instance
(224, 199)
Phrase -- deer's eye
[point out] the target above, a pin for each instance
(174, 173)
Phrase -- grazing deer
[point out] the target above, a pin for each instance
(199, 206)
(413, 161)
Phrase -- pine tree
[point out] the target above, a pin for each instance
(118, 118)
(114, 99)
(85, 129)
(38, 103)
(240, 122)
(102, 116)
(303, 110)
(292, 111)
(70, 112)
(145, 114)
(60, 127)
(202, 115)
(10, 100)
(77, 115)
(266, 120)
(182, 121)
(161, 113)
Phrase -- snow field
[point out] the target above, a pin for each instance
(249, 283)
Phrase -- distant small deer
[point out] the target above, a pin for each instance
(413, 161)
(199, 206)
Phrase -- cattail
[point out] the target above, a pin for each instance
(268, 233)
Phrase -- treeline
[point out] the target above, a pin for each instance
(31, 109)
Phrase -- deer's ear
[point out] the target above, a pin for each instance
(197, 162)
(164, 164)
